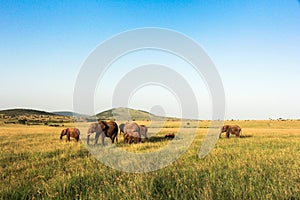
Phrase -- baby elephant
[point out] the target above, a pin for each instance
(70, 132)
(231, 129)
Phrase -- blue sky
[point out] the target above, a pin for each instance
(255, 46)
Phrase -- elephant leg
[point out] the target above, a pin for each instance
(113, 139)
(97, 137)
(102, 138)
(227, 134)
(129, 140)
(68, 137)
(88, 140)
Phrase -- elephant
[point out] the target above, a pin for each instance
(170, 136)
(127, 137)
(131, 132)
(144, 131)
(105, 129)
(70, 132)
(231, 129)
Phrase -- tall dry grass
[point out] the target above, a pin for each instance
(264, 164)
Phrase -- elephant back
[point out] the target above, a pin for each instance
(144, 131)
(74, 132)
(132, 128)
(112, 129)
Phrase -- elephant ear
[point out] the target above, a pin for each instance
(95, 125)
(224, 128)
(102, 125)
(121, 126)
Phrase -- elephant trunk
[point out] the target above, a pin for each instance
(61, 135)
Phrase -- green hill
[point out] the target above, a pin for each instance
(24, 112)
(31, 117)
(119, 114)
(127, 114)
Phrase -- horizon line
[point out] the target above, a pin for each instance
(225, 119)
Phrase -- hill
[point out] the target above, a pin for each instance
(24, 112)
(120, 114)
(127, 114)
(69, 114)
(32, 117)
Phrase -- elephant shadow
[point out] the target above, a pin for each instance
(241, 137)
(246, 136)
(154, 139)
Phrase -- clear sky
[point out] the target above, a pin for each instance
(255, 46)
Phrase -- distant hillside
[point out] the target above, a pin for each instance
(127, 114)
(24, 112)
(120, 114)
(69, 114)
(32, 117)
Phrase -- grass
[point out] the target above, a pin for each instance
(264, 164)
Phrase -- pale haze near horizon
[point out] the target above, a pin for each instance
(254, 45)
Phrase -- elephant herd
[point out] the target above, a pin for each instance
(132, 132)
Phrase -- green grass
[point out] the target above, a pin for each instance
(265, 164)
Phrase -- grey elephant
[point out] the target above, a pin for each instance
(131, 132)
(231, 129)
(144, 131)
(103, 129)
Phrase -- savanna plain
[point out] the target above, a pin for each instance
(263, 164)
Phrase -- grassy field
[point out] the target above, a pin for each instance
(264, 164)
